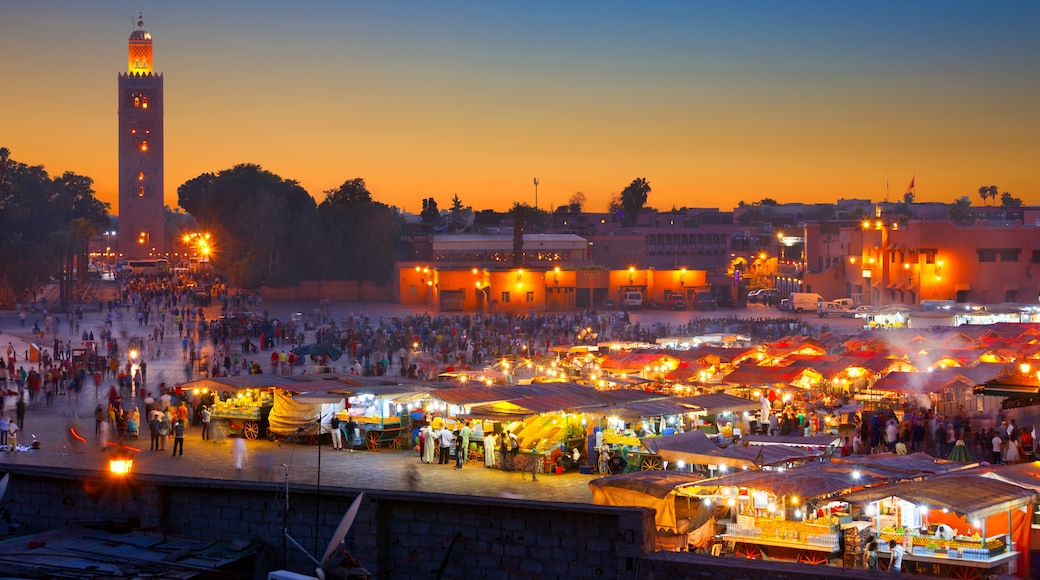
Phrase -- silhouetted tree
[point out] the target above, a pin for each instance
(633, 199)
(577, 202)
(988, 192)
(43, 222)
(259, 222)
(1007, 201)
(359, 235)
(960, 212)
(351, 192)
(430, 214)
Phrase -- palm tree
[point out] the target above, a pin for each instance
(633, 200)
(960, 211)
(988, 192)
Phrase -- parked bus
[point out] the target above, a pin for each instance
(160, 266)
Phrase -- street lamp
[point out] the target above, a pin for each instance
(631, 275)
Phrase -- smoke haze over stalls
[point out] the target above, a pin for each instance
(711, 102)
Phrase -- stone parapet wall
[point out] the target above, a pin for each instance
(411, 534)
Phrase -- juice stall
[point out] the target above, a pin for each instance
(785, 514)
(959, 526)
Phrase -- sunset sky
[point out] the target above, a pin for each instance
(711, 102)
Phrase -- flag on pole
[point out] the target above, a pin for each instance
(910, 188)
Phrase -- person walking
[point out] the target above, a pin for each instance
(19, 413)
(445, 439)
(349, 432)
(4, 424)
(153, 429)
(465, 433)
(206, 417)
(459, 451)
(238, 452)
(178, 438)
(429, 444)
(895, 565)
(12, 436)
(164, 429)
(489, 450)
(337, 435)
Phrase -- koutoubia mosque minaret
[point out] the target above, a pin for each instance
(141, 226)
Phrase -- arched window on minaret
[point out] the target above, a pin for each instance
(137, 102)
(140, 191)
(144, 102)
(140, 176)
(143, 146)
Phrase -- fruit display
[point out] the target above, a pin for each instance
(799, 532)
(934, 543)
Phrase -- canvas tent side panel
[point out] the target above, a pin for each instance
(288, 416)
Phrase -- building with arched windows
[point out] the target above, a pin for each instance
(141, 226)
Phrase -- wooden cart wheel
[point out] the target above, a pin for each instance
(965, 573)
(372, 440)
(749, 551)
(812, 558)
(251, 430)
(651, 463)
(396, 443)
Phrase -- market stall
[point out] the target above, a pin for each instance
(682, 521)
(958, 525)
(243, 412)
(383, 414)
(788, 515)
(696, 448)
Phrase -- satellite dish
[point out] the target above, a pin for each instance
(3, 485)
(337, 536)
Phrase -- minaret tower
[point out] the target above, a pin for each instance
(141, 224)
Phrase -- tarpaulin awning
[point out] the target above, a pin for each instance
(652, 406)
(805, 481)
(911, 383)
(655, 490)
(1019, 386)
(897, 467)
(812, 441)
(298, 383)
(972, 496)
(695, 447)
(754, 375)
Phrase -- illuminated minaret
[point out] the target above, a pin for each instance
(141, 226)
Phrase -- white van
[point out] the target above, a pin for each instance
(805, 301)
(632, 299)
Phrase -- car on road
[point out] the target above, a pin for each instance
(767, 296)
(785, 305)
(705, 301)
(861, 312)
(676, 302)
